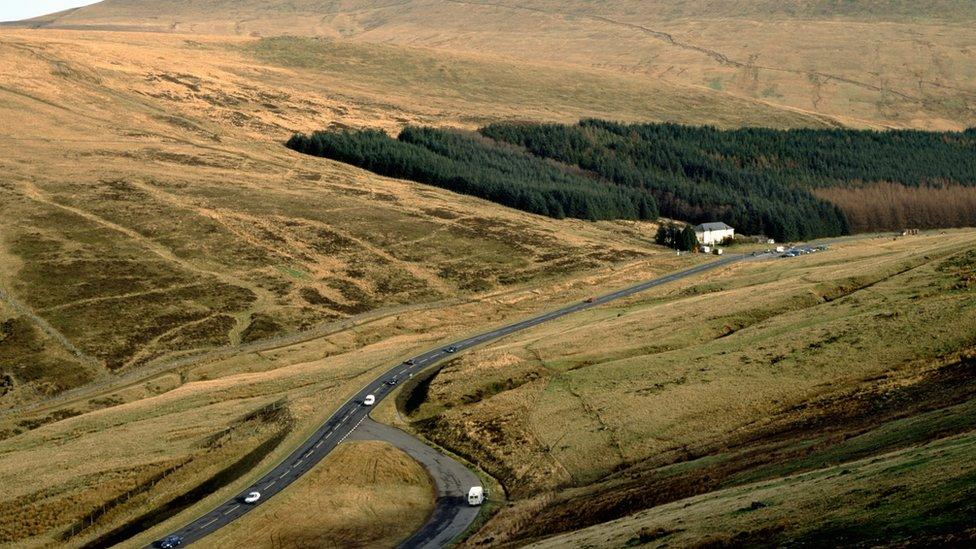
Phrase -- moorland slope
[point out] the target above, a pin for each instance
(877, 63)
(738, 407)
(150, 213)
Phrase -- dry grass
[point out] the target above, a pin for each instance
(142, 427)
(688, 369)
(365, 494)
(149, 213)
(922, 493)
(185, 225)
(882, 63)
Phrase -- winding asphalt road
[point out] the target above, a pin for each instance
(451, 515)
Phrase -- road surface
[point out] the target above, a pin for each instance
(451, 515)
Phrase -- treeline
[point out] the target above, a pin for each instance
(893, 207)
(689, 181)
(471, 164)
(756, 179)
(789, 185)
(673, 236)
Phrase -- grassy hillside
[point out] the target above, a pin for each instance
(182, 299)
(185, 225)
(918, 495)
(754, 373)
(866, 63)
(363, 494)
(170, 263)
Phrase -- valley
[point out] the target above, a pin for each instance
(184, 301)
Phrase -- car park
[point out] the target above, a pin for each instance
(169, 542)
(369, 400)
(252, 497)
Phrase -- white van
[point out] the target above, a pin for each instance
(476, 496)
(369, 400)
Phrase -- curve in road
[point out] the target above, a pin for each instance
(452, 514)
(352, 414)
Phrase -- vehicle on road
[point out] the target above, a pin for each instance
(169, 542)
(252, 497)
(369, 400)
(476, 496)
(391, 382)
(451, 349)
(409, 362)
(589, 300)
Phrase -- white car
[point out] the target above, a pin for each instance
(369, 400)
(253, 497)
(476, 496)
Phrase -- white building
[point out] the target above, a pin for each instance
(710, 234)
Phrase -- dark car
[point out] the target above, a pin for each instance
(451, 349)
(169, 542)
(409, 362)
(589, 300)
(391, 381)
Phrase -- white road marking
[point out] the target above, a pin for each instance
(283, 475)
(297, 463)
(208, 524)
(232, 509)
(270, 484)
(320, 443)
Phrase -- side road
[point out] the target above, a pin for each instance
(452, 514)
(352, 414)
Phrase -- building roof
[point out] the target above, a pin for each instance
(717, 226)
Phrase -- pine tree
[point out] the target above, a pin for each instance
(688, 239)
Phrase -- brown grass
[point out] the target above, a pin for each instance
(683, 372)
(864, 63)
(149, 213)
(187, 226)
(916, 495)
(365, 494)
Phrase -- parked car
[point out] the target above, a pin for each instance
(476, 496)
(252, 497)
(369, 400)
(169, 542)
